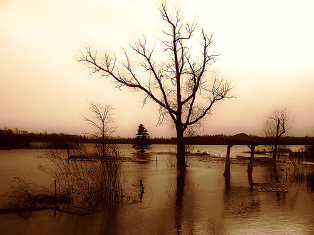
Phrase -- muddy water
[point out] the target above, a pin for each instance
(197, 201)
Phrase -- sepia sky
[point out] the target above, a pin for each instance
(266, 48)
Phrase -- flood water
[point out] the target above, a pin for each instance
(197, 201)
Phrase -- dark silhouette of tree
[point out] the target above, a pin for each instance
(12, 139)
(176, 73)
(276, 125)
(141, 142)
(102, 121)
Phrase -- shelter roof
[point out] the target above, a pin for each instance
(241, 139)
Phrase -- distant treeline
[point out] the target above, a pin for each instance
(15, 138)
(219, 140)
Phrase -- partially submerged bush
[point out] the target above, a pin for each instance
(26, 196)
(310, 149)
(310, 181)
(92, 183)
(305, 154)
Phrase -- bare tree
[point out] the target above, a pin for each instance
(276, 125)
(175, 77)
(102, 121)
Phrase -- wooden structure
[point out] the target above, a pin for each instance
(240, 139)
(268, 187)
(77, 210)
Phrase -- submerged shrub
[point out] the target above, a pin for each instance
(27, 196)
(310, 181)
(89, 183)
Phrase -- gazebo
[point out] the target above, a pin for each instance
(240, 139)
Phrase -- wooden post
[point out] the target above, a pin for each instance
(252, 155)
(250, 165)
(227, 166)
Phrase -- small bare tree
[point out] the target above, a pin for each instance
(175, 75)
(102, 121)
(276, 125)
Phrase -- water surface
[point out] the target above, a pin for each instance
(197, 201)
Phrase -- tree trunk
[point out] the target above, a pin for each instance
(275, 149)
(180, 148)
(103, 144)
(276, 140)
(179, 200)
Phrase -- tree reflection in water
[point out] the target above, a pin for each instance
(197, 200)
(240, 200)
(179, 200)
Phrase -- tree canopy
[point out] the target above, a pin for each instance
(276, 125)
(175, 75)
(142, 140)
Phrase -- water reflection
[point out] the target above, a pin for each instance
(250, 174)
(198, 200)
(179, 200)
(143, 161)
(240, 200)
(144, 158)
(110, 223)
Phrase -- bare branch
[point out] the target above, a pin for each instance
(179, 84)
(277, 123)
(102, 119)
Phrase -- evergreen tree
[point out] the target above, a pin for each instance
(141, 142)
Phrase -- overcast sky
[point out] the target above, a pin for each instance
(266, 51)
